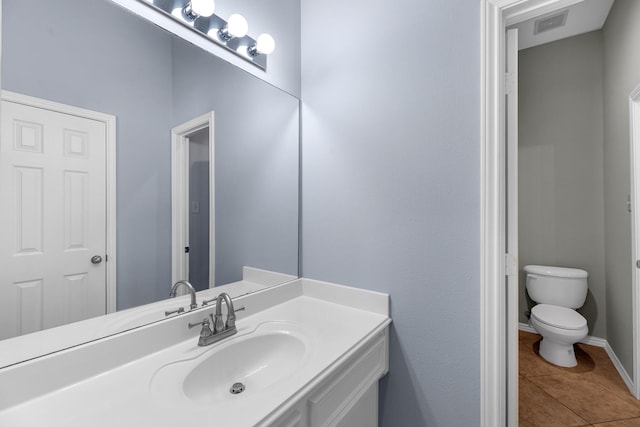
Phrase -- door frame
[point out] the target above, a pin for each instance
(180, 196)
(511, 207)
(634, 139)
(495, 373)
(110, 139)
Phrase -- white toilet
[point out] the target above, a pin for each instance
(558, 292)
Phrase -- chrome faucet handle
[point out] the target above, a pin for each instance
(170, 312)
(206, 329)
(231, 317)
(207, 301)
(203, 322)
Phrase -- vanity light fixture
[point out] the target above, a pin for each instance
(197, 8)
(198, 16)
(265, 45)
(237, 26)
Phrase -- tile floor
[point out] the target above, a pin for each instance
(590, 394)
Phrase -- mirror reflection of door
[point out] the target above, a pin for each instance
(53, 215)
(198, 254)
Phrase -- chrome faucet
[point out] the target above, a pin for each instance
(192, 291)
(218, 324)
(221, 329)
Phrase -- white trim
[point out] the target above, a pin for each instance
(180, 195)
(110, 127)
(596, 342)
(619, 367)
(589, 340)
(634, 139)
(526, 328)
(492, 292)
(510, 203)
(525, 10)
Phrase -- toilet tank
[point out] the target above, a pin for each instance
(565, 287)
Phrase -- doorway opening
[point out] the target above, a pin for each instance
(193, 202)
(498, 345)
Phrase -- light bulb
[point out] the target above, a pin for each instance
(264, 45)
(203, 7)
(237, 26)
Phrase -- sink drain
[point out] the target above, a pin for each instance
(237, 388)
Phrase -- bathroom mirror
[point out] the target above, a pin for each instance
(96, 56)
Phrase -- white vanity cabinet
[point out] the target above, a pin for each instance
(348, 397)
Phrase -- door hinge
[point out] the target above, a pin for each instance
(510, 265)
(510, 83)
(186, 249)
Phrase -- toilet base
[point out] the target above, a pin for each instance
(558, 354)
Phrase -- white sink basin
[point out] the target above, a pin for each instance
(256, 362)
(253, 362)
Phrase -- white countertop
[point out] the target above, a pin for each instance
(123, 395)
(29, 346)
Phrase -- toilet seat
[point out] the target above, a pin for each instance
(558, 317)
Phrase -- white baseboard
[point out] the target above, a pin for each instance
(596, 342)
(623, 373)
(526, 327)
(589, 340)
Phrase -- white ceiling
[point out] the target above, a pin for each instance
(585, 16)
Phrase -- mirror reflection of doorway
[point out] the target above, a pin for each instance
(198, 253)
(193, 202)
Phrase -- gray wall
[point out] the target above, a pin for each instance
(391, 187)
(621, 76)
(96, 64)
(561, 211)
(256, 170)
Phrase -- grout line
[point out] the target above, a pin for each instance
(595, 342)
(573, 374)
(561, 404)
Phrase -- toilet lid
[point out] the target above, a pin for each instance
(559, 317)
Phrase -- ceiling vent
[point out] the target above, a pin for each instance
(550, 22)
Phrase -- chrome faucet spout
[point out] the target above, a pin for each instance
(192, 291)
(219, 324)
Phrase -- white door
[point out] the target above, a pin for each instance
(511, 208)
(52, 219)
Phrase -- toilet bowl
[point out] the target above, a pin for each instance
(558, 291)
(560, 328)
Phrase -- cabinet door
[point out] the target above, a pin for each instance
(292, 419)
(335, 400)
(364, 413)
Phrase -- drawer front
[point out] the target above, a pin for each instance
(330, 403)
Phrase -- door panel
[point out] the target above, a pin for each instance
(52, 218)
